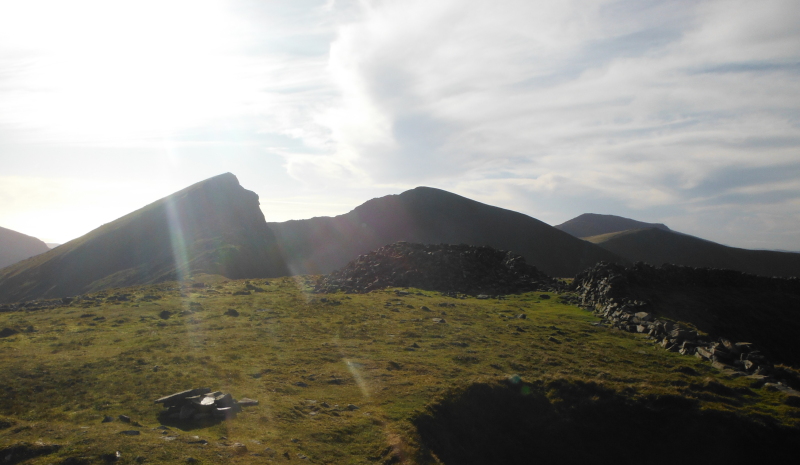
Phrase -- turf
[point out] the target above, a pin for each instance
(307, 357)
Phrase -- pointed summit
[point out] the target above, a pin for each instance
(213, 227)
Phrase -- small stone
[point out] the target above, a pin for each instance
(245, 402)
(6, 332)
(352, 407)
(552, 339)
(124, 418)
(438, 320)
(107, 419)
(232, 312)
(301, 384)
(239, 448)
(165, 314)
(131, 432)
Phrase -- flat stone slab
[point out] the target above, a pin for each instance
(179, 396)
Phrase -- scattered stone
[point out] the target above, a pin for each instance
(245, 402)
(124, 418)
(239, 448)
(425, 309)
(232, 312)
(107, 419)
(552, 339)
(352, 407)
(131, 432)
(6, 332)
(301, 384)
(438, 320)
(165, 314)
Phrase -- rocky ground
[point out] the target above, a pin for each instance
(446, 268)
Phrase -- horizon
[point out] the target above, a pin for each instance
(682, 113)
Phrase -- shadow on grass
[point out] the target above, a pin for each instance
(573, 422)
(190, 425)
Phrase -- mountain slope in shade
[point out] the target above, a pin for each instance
(656, 246)
(214, 227)
(430, 216)
(15, 247)
(592, 224)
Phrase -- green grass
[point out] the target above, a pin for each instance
(88, 360)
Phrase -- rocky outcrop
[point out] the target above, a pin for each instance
(615, 293)
(446, 268)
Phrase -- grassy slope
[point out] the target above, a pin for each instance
(85, 361)
(657, 247)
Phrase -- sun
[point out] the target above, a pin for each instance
(103, 71)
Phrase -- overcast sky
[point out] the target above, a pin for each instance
(681, 112)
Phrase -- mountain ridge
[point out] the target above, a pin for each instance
(15, 247)
(214, 227)
(430, 216)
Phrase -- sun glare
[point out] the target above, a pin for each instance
(105, 71)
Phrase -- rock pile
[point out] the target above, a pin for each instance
(200, 404)
(447, 268)
(606, 290)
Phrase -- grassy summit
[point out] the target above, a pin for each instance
(340, 378)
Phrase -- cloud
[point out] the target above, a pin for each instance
(644, 104)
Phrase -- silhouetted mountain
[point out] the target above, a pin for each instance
(214, 227)
(15, 247)
(430, 216)
(592, 224)
(656, 246)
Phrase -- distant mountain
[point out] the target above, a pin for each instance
(52, 245)
(592, 224)
(430, 216)
(214, 227)
(15, 247)
(657, 246)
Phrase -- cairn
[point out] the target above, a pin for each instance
(201, 404)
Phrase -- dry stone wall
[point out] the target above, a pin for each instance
(606, 288)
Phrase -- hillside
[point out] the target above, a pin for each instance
(656, 246)
(213, 227)
(15, 247)
(431, 216)
(592, 224)
(391, 376)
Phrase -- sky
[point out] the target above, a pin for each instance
(684, 112)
